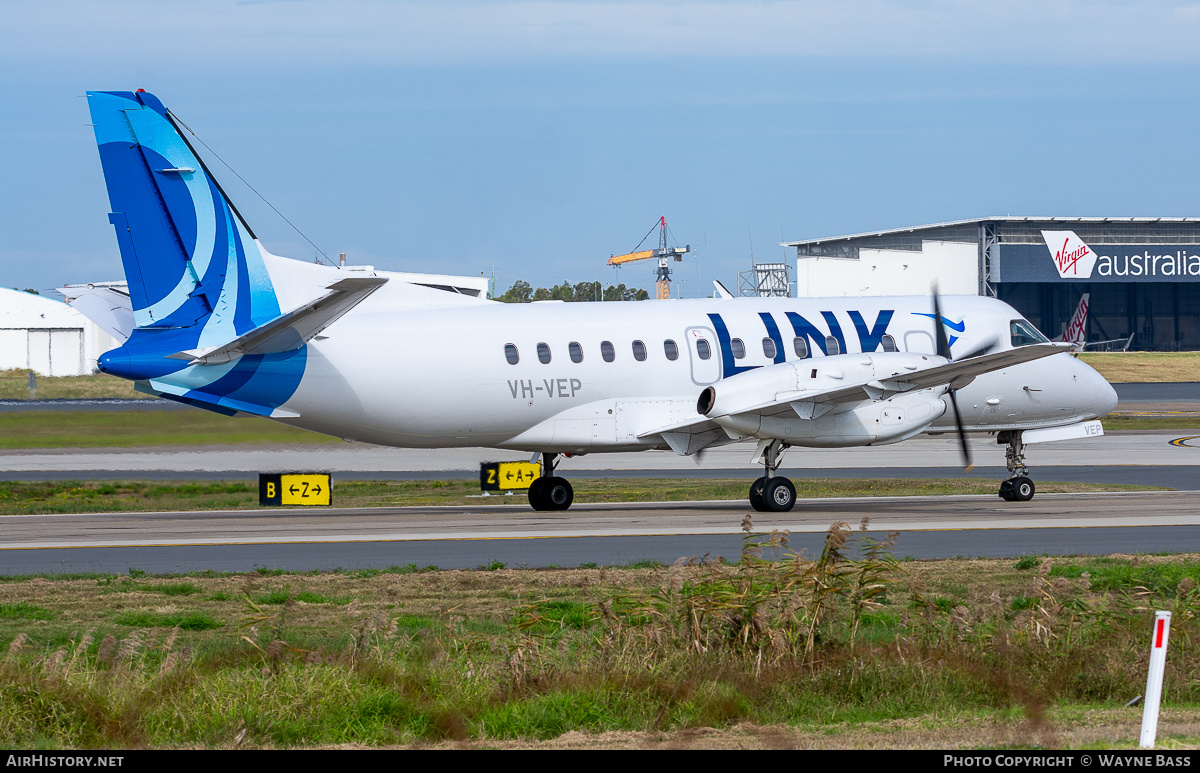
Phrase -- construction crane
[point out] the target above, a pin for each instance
(664, 255)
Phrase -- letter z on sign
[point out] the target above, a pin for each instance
(290, 489)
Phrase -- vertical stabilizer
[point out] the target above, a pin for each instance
(1076, 332)
(196, 275)
(189, 260)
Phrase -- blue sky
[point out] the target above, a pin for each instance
(538, 138)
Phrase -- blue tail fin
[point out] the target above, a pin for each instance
(189, 259)
(197, 277)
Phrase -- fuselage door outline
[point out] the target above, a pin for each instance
(704, 372)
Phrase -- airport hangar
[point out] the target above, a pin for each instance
(1146, 279)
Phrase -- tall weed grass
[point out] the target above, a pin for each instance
(776, 637)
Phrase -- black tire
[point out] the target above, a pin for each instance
(558, 494)
(537, 494)
(1006, 490)
(1023, 489)
(756, 495)
(779, 495)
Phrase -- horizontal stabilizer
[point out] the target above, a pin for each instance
(292, 330)
(108, 307)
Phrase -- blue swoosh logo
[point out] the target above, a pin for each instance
(957, 327)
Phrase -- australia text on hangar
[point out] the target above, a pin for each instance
(1076, 260)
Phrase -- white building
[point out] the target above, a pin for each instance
(48, 336)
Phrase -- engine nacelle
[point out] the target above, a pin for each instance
(742, 404)
(789, 381)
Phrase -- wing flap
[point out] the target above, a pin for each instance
(959, 373)
(815, 403)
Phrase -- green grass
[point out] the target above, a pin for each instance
(1125, 422)
(307, 597)
(14, 385)
(22, 610)
(31, 497)
(188, 621)
(677, 655)
(1145, 366)
(128, 429)
(1109, 575)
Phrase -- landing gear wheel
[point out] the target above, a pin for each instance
(756, 495)
(558, 493)
(537, 494)
(1023, 489)
(1019, 489)
(779, 495)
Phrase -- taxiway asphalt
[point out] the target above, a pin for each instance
(467, 537)
(472, 536)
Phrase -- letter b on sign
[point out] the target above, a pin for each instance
(295, 488)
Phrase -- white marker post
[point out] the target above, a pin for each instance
(1158, 662)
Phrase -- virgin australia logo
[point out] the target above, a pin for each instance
(1072, 258)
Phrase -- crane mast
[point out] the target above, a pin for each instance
(664, 255)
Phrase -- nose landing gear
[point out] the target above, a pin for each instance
(1018, 487)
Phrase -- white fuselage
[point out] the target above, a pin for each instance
(396, 371)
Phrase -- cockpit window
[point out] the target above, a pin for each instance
(1024, 333)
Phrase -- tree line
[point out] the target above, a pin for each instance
(522, 292)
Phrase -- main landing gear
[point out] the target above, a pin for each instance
(1018, 487)
(550, 492)
(772, 493)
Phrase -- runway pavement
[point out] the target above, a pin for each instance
(1152, 449)
(612, 534)
(466, 537)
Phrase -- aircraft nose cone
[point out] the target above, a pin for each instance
(1107, 401)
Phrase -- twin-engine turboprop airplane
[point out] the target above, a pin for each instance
(222, 324)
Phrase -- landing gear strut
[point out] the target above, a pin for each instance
(772, 493)
(1018, 487)
(550, 492)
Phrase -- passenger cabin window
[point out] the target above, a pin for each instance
(703, 350)
(768, 348)
(739, 348)
(831, 345)
(889, 343)
(511, 354)
(576, 351)
(671, 350)
(607, 351)
(800, 344)
(544, 353)
(639, 351)
(1024, 333)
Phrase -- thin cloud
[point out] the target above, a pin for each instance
(328, 33)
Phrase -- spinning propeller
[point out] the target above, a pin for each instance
(943, 350)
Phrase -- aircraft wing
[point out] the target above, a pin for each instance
(814, 403)
(294, 329)
(958, 373)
